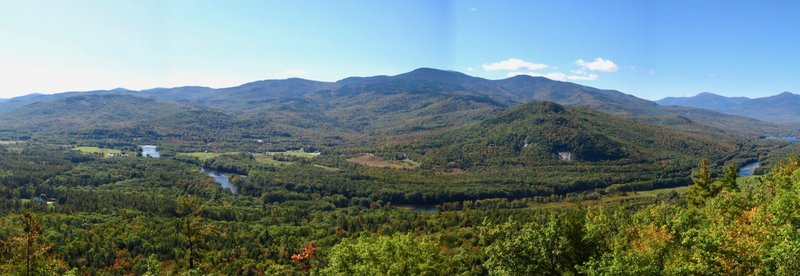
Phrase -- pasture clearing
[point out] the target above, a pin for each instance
(370, 160)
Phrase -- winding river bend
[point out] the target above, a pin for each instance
(748, 168)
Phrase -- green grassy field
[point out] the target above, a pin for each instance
(298, 153)
(745, 179)
(264, 159)
(205, 155)
(94, 150)
(414, 164)
(374, 161)
(10, 142)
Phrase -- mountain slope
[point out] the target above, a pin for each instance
(529, 88)
(17, 102)
(543, 132)
(543, 146)
(82, 111)
(781, 108)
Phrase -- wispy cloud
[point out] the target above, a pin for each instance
(599, 64)
(512, 64)
(581, 74)
(516, 67)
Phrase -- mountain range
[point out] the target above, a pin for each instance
(520, 130)
(355, 111)
(783, 108)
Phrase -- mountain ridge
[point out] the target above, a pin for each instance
(780, 108)
(706, 100)
(420, 102)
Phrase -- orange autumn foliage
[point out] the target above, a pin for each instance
(305, 256)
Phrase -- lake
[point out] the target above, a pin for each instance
(222, 178)
(749, 168)
(150, 151)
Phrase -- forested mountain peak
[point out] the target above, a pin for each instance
(541, 132)
(431, 74)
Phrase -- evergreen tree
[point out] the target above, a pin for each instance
(703, 185)
(32, 227)
(729, 174)
(189, 208)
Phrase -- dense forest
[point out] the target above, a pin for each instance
(68, 212)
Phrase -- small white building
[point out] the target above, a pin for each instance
(565, 155)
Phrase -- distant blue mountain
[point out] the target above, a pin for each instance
(782, 108)
(704, 100)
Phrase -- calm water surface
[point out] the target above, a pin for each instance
(222, 178)
(749, 168)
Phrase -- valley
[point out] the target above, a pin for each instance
(393, 138)
(265, 169)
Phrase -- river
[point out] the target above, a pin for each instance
(222, 178)
(791, 139)
(748, 168)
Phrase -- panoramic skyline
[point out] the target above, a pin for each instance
(649, 49)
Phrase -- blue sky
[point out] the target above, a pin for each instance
(650, 49)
